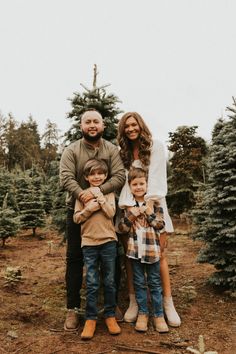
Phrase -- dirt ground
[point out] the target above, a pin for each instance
(32, 312)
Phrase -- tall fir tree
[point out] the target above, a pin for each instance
(9, 222)
(96, 98)
(50, 142)
(29, 194)
(216, 216)
(186, 168)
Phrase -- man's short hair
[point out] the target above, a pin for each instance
(90, 110)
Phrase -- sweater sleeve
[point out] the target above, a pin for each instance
(68, 173)
(117, 172)
(81, 213)
(107, 204)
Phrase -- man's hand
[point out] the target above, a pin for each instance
(85, 196)
(93, 205)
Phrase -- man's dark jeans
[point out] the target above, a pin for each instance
(74, 263)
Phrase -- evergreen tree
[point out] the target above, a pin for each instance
(96, 98)
(32, 214)
(11, 142)
(9, 224)
(22, 143)
(2, 141)
(7, 187)
(28, 140)
(49, 140)
(186, 168)
(215, 219)
(58, 208)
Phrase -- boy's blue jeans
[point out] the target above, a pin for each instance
(100, 257)
(152, 281)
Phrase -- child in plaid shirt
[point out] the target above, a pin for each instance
(143, 224)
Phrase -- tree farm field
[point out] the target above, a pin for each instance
(32, 310)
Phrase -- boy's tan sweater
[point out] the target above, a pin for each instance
(96, 227)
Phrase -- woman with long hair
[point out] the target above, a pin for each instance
(138, 149)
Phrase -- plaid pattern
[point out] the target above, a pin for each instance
(143, 232)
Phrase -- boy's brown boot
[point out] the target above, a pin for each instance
(89, 329)
(112, 325)
(141, 323)
(72, 320)
(160, 324)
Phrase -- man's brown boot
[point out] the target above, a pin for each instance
(141, 323)
(112, 325)
(89, 329)
(72, 320)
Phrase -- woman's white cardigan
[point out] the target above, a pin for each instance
(157, 183)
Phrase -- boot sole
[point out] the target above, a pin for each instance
(171, 324)
(140, 329)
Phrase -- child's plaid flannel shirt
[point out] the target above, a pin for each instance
(143, 234)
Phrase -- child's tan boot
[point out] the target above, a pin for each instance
(141, 323)
(160, 324)
(112, 325)
(89, 329)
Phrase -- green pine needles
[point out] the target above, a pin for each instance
(216, 215)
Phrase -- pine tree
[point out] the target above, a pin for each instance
(96, 98)
(29, 191)
(49, 140)
(9, 223)
(186, 168)
(2, 141)
(58, 209)
(216, 217)
(7, 186)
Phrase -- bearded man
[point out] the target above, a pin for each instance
(72, 180)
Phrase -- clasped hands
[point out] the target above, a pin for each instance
(89, 198)
(142, 210)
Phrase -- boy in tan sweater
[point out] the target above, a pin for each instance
(98, 246)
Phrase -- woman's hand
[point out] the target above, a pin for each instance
(163, 241)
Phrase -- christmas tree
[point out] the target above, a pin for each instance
(216, 217)
(95, 98)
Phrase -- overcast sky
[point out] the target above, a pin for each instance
(173, 61)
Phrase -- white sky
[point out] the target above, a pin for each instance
(172, 61)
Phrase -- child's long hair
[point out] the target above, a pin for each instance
(145, 141)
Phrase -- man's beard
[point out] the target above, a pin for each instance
(93, 138)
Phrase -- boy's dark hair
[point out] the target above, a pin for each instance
(136, 172)
(95, 165)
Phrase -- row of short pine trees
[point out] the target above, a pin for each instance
(31, 199)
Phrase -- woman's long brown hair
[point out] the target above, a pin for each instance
(145, 141)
